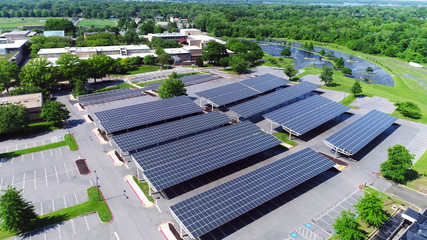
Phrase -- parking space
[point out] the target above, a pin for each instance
(320, 227)
(30, 144)
(39, 157)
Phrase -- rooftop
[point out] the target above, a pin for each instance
(15, 45)
(54, 33)
(45, 51)
(32, 100)
(175, 50)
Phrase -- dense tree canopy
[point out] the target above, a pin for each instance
(171, 88)
(38, 72)
(347, 228)
(60, 24)
(398, 163)
(370, 208)
(54, 111)
(8, 74)
(12, 118)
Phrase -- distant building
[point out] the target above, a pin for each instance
(165, 36)
(16, 34)
(202, 40)
(54, 33)
(32, 102)
(190, 31)
(8, 46)
(417, 65)
(31, 27)
(183, 20)
(125, 51)
(163, 24)
(418, 228)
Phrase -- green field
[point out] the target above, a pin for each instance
(12, 23)
(420, 183)
(96, 23)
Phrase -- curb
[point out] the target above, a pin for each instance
(112, 217)
(292, 147)
(138, 195)
(72, 135)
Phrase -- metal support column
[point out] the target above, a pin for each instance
(137, 172)
(271, 127)
(290, 135)
(336, 153)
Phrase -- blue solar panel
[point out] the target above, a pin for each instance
(147, 137)
(208, 210)
(219, 91)
(307, 114)
(160, 155)
(359, 133)
(179, 171)
(266, 102)
(264, 83)
(108, 96)
(232, 97)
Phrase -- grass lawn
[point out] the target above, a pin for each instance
(348, 100)
(7, 56)
(142, 69)
(144, 188)
(281, 61)
(96, 23)
(147, 83)
(11, 23)
(68, 140)
(420, 183)
(93, 205)
(284, 137)
(119, 86)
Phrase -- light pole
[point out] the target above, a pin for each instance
(97, 186)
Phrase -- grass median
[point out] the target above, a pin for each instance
(68, 141)
(93, 205)
(420, 183)
(284, 137)
(144, 188)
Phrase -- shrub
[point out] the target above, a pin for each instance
(409, 109)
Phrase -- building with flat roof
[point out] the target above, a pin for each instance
(33, 102)
(125, 51)
(54, 33)
(202, 40)
(190, 31)
(165, 36)
(16, 34)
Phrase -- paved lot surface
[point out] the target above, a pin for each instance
(51, 182)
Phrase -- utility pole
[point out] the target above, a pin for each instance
(97, 185)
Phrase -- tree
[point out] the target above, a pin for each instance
(409, 109)
(12, 118)
(356, 89)
(71, 69)
(149, 60)
(224, 62)
(38, 72)
(326, 75)
(239, 64)
(99, 66)
(54, 111)
(346, 71)
(347, 227)
(310, 46)
(60, 24)
(370, 209)
(213, 52)
(366, 79)
(290, 71)
(171, 88)
(322, 52)
(398, 163)
(285, 52)
(131, 37)
(199, 61)
(15, 212)
(164, 59)
(369, 69)
(8, 74)
(339, 62)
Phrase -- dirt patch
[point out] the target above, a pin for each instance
(119, 157)
(103, 135)
(82, 166)
(335, 160)
(175, 232)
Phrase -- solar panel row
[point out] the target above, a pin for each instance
(307, 114)
(163, 154)
(187, 80)
(264, 83)
(179, 171)
(208, 210)
(109, 96)
(359, 133)
(269, 101)
(147, 137)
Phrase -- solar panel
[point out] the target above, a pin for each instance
(232, 97)
(359, 133)
(264, 83)
(127, 122)
(163, 154)
(208, 210)
(219, 91)
(147, 137)
(108, 96)
(179, 171)
(307, 114)
(142, 108)
(269, 101)
(196, 79)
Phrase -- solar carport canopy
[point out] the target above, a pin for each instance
(206, 211)
(143, 138)
(263, 103)
(174, 151)
(119, 119)
(305, 115)
(359, 133)
(264, 83)
(234, 92)
(108, 96)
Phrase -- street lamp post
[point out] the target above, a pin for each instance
(97, 186)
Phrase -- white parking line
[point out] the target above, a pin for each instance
(66, 170)
(42, 154)
(126, 166)
(117, 236)
(56, 172)
(53, 205)
(158, 208)
(87, 224)
(91, 183)
(59, 231)
(45, 176)
(22, 158)
(51, 152)
(45, 235)
(41, 208)
(72, 224)
(12, 160)
(32, 156)
(13, 179)
(35, 181)
(77, 201)
(1, 182)
(65, 202)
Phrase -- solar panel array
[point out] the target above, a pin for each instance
(234, 92)
(147, 137)
(118, 119)
(208, 210)
(307, 114)
(187, 80)
(108, 96)
(187, 168)
(359, 133)
(263, 103)
(174, 151)
(264, 83)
